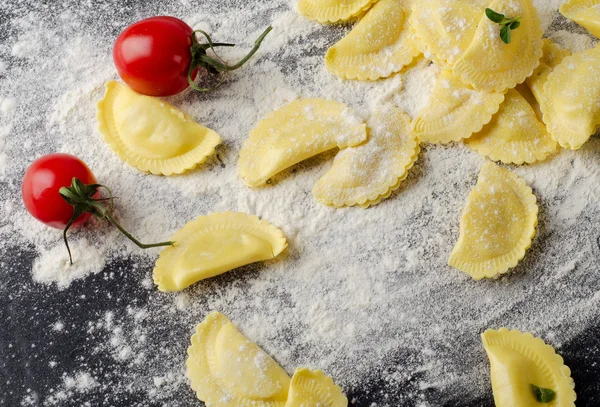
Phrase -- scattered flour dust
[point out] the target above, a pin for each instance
(88, 259)
(363, 294)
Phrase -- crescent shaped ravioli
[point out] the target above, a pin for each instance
(297, 131)
(490, 64)
(519, 360)
(570, 99)
(515, 135)
(333, 11)
(444, 28)
(552, 56)
(368, 173)
(379, 45)
(586, 13)
(214, 244)
(454, 111)
(497, 224)
(150, 134)
(310, 388)
(228, 370)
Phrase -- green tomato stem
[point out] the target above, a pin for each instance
(81, 197)
(216, 65)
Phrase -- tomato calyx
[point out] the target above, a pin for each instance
(212, 65)
(81, 197)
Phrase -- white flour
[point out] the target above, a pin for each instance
(363, 294)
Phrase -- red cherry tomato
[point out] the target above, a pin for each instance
(41, 183)
(153, 56)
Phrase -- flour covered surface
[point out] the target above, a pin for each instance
(365, 296)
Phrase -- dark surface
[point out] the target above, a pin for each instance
(27, 309)
(25, 321)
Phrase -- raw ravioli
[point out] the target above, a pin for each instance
(454, 111)
(310, 388)
(553, 55)
(368, 173)
(445, 28)
(228, 370)
(150, 134)
(570, 99)
(379, 45)
(490, 64)
(586, 13)
(295, 132)
(459, 34)
(515, 135)
(214, 244)
(518, 361)
(497, 224)
(333, 11)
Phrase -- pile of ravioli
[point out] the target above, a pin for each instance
(516, 103)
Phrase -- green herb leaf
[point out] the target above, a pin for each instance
(506, 24)
(543, 395)
(505, 34)
(492, 15)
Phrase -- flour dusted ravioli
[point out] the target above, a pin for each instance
(458, 33)
(454, 111)
(310, 388)
(586, 13)
(519, 361)
(570, 99)
(378, 46)
(295, 132)
(490, 64)
(515, 135)
(368, 173)
(552, 56)
(445, 28)
(497, 224)
(214, 244)
(152, 135)
(228, 370)
(333, 11)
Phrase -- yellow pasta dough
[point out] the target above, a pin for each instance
(214, 244)
(552, 56)
(228, 370)
(497, 224)
(519, 360)
(458, 33)
(586, 13)
(378, 46)
(490, 64)
(570, 99)
(295, 132)
(311, 388)
(368, 173)
(454, 111)
(515, 135)
(333, 11)
(152, 135)
(445, 28)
